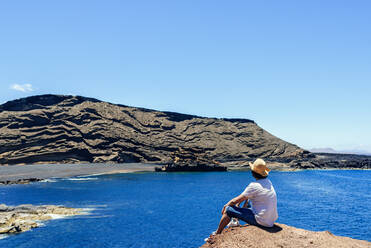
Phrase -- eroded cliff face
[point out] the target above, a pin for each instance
(280, 236)
(72, 129)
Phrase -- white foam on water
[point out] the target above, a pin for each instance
(96, 174)
(40, 224)
(81, 178)
(57, 216)
(86, 211)
(48, 181)
(89, 209)
(3, 236)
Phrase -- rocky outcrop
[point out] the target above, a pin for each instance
(336, 161)
(74, 129)
(189, 168)
(20, 181)
(280, 236)
(190, 162)
(25, 217)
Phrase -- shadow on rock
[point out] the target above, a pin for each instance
(274, 229)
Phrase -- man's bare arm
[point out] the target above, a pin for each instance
(234, 201)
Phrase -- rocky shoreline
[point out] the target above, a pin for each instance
(20, 181)
(16, 219)
(339, 161)
(280, 236)
(318, 161)
(23, 174)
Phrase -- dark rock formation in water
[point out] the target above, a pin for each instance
(20, 181)
(333, 161)
(74, 129)
(340, 161)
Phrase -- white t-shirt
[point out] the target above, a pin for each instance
(263, 201)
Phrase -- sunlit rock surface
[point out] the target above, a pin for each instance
(74, 129)
(280, 236)
(16, 219)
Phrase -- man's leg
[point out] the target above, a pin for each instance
(223, 222)
(244, 214)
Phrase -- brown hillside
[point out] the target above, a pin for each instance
(56, 128)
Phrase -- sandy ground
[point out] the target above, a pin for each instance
(45, 171)
(280, 236)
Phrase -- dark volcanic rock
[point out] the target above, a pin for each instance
(20, 181)
(333, 161)
(341, 161)
(190, 168)
(73, 129)
(190, 160)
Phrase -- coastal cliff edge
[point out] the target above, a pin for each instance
(280, 236)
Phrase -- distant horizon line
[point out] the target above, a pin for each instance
(342, 151)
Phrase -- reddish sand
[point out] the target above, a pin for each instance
(281, 236)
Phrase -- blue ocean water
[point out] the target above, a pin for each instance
(181, 209)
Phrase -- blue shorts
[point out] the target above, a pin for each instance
(245, 214)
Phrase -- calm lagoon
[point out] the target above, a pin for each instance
(181, 209)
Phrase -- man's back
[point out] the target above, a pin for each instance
(263, 200)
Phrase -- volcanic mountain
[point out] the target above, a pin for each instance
(74, 129)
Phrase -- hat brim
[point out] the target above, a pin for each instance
(264, 174)
(252, 166)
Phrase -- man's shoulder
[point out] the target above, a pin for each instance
(253, 185)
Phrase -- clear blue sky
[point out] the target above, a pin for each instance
(300, 69)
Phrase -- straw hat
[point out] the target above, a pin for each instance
(259, 167)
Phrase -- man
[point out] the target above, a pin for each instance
(262, 196)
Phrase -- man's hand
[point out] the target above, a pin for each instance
(234, 201)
